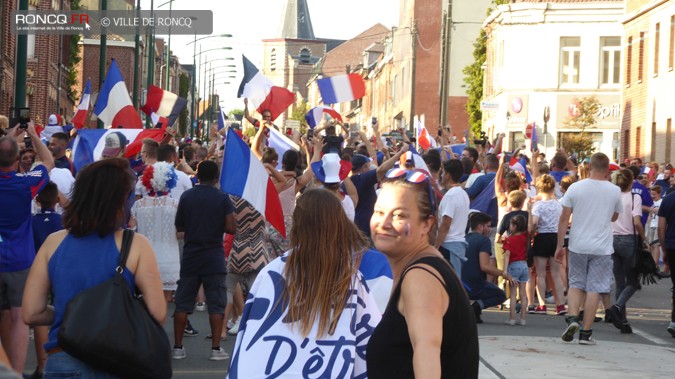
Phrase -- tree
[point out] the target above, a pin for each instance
(582, 114)
(238, 114)
(299, 113)
(183, 89)
(473, 78)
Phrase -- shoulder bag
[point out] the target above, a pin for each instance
(109, 328)
(644, 266)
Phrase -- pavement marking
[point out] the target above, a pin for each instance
(649, 337)
(493, 370)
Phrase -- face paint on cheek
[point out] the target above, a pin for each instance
(407, 230)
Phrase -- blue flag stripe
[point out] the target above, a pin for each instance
(327, 91)
(236, 164)
(250, 70)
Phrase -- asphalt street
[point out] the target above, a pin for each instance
(531, 351)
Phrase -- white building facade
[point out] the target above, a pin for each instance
(542, 58)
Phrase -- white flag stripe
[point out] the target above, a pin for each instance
(84, 103)
(167, 103)
(257, 89)
(117, 99)
(254, 193)
(342, 86)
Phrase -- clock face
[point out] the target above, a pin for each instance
(301, 17)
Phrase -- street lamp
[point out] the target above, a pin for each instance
(168, 48)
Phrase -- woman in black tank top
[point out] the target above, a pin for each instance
(428, 329)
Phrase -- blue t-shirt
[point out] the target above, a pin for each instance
(477, 187)
(645, 195)
(17, 249)
(44, 224)
(667, 210)
(201, 214)
(472, 276)
(365, 187)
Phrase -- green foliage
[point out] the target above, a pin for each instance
(73, 59)
(580, 144)
(238, 113)
(299, 113)
(183, 89)
(473, 78)
(587, 108)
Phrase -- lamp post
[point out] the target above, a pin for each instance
(168, 49)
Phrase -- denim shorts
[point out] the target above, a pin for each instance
(61, 365)
(519, 271)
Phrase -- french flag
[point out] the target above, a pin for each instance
(164, 103)
(89, 143)
(315, 115)
(341, 88)
(157, 119)
(280, 143)
(521, 167)
(262, 93)
(113, 105)
(245, 176)
(423, 137)
(80, 116)
(221, 119)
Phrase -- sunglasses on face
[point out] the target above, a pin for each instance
(416, 177)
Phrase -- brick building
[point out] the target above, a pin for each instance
(46, 79)
(648, 78)
(547, 56)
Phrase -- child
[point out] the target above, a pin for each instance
(652, 226)
(46, 222)
(515, 259)
(516, 201)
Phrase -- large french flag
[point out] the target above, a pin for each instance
(341, 88)
(221, 119)
(113, 105)
(164, 103)
(315, 115)
(80, 116)
(281, 144)
(245, 176)
(89, 143)
(262, 93)
(521, 167)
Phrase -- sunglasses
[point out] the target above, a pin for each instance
(415, 177)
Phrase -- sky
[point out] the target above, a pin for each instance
(250, 21)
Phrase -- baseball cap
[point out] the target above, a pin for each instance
(53, 120)
(114, 143)
(358, 160)
(331, 169)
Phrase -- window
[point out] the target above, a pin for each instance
(638, 141)
(641, 56)
(273, 59)
(653, 154)
(610, 60)
(570, 57)
(629, 60)
(671, 50)
(305, 56)
(657, 44)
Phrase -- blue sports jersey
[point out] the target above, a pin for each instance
(17, 249)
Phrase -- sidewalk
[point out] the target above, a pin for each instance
(532, 357)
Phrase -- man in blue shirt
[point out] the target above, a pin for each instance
(643, 192)
(667, 238)
(17, 249)
(665, 181)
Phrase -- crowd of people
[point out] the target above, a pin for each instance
(390, 257)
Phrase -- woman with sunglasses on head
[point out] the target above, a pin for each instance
(428, 329)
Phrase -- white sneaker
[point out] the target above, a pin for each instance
(230, 324)
(522, 322)
(510, 322)
(200, 307)
(219, 355)
(178, 353)
(235, 328)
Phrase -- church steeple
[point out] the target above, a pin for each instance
(297, 22)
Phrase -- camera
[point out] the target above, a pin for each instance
(28, 143)
(374, 120)
(310, 134)
(482, 141)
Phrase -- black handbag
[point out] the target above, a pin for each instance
(109, 328)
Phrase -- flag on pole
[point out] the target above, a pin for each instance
(262, 93)
(80, 116)
(245, 176)
(341, 88)
(315, 114)
(164, 103)
(113, 105)
(89, 143)
(422, 135)
(221, 119)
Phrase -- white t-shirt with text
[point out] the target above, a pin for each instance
(455, 204)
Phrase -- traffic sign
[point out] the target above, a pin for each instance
(528, 131)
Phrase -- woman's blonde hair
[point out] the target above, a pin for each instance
(623, 178)
(326, 250)
(545, 183)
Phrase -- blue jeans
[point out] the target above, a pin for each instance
(63, 366)
(486, 294)
(457, 254)
(624, 276)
